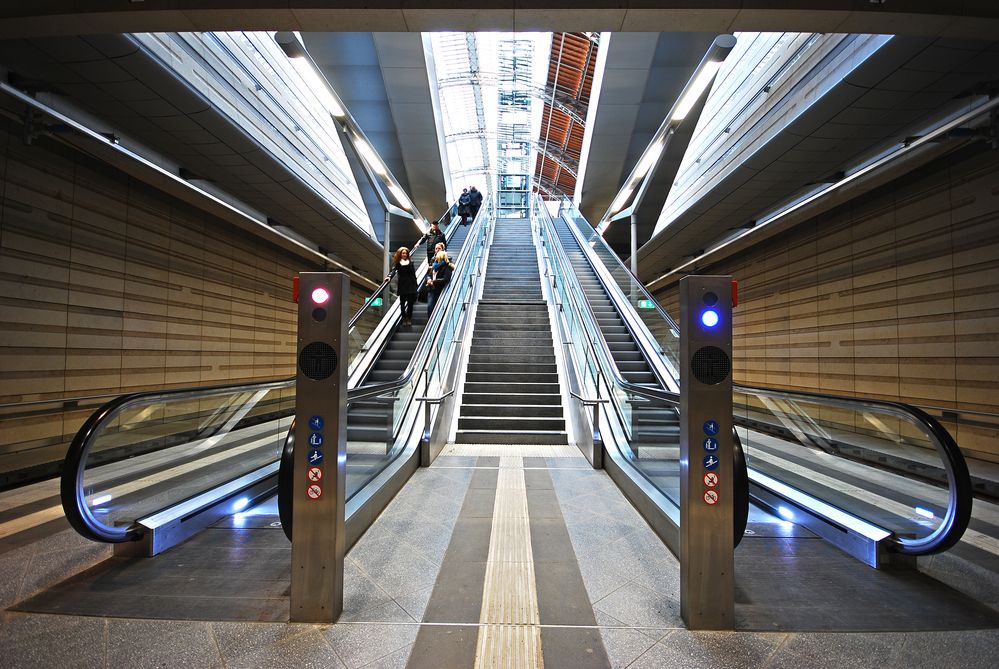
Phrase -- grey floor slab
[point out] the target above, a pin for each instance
(278, 646)
(444, 646)
(804, 584)
(712, 650)
(52, 641)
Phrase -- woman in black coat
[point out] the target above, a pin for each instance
(440, 277)
(405, 275)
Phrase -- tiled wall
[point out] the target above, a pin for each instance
(894, 296)
(110, 286)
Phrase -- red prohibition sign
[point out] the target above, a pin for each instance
(711, 479)
(314, 491)
(711, 497)
(315, 474)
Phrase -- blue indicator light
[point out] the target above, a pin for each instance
(709, 318)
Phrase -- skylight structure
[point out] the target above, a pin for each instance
(469, 72)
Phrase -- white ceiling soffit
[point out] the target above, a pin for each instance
(643, 75)
(131, 91)
(906, 83)
(382, 79)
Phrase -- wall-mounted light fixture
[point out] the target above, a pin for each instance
(379, 175)
(630, 196)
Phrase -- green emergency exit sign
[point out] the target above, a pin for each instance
(646, 304)
(377, 302)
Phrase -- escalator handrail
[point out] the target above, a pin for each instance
(600, 351)
(959, 486)
(960, 491)
(636, 326)
(71, 482)
(423, 347)
(658, 308)
(598, 342)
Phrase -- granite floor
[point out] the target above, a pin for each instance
(619, 585)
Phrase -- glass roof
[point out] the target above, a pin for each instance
(467, 66)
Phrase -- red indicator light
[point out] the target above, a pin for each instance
(320, 296)
(735, 293)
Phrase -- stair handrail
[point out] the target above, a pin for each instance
(611, 374)
(960, 490)
(71, 485)
(433, 331)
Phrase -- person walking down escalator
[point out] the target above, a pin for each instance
(465, 206)
(475, 197)
(440, 277)
(434, 237)
(405, 276)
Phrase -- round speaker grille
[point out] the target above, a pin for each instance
(317, 360)
(710, 365)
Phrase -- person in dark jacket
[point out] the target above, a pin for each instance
(405, 276)
(440, 277)
(465, 206)
(475, 201)
(434, 237)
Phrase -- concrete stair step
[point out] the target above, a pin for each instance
(502, 375)
(550, 410)
(504, 423)
(493, 387)
(524, 399)
(474, 367)
(518, 357)
(510, 437)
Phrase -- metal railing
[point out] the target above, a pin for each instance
(603, 381)
(156, 449)
(815, 440)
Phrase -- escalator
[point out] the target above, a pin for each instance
(209, 452)
(843, 467)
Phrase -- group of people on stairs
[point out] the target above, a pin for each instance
(437, 278)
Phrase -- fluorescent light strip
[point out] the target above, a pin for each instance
(319, 87)
(400, 196)
(696, 89)
(369, 156)
(819, 508)
(925, 139)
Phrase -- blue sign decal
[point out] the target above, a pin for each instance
(711, 462)
(315, 439)
(315, 457)
(316, 422)
(710, 427)
(711, 444)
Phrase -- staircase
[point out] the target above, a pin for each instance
(652, 426)
(511, 392)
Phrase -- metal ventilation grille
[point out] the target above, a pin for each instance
(710, 365)
(317, 360)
